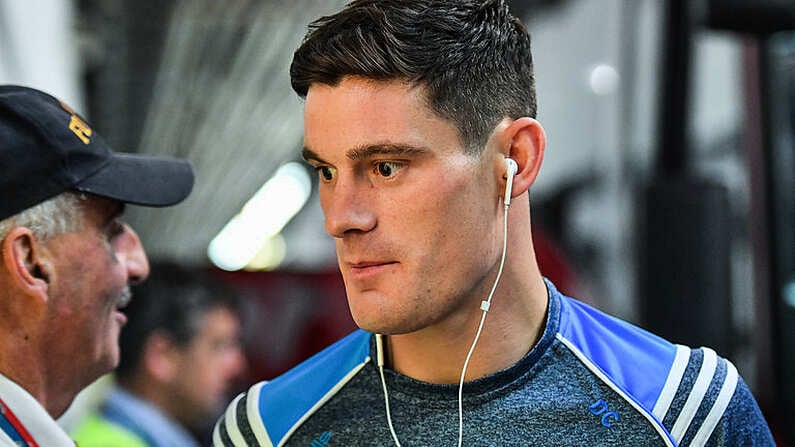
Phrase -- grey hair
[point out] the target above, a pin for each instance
(58, 215)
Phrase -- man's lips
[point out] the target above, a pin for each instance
(369, 267)
(120, 316)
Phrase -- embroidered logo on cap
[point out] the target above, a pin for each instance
(79, 127)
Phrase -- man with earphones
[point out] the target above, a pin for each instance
(419, 120)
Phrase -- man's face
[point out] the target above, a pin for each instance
(92, 268)
(207, 366)
(415, 219)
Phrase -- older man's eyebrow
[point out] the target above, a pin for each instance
(116, 211)
(120, 210)
(113, 211)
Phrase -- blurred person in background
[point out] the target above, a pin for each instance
(180, 354)
(419, 119)
(67, 259)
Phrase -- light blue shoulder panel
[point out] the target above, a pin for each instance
(636, 361)
(286, 399)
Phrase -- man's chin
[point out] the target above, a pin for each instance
(103, 366)
(109, 360)
(379, 326)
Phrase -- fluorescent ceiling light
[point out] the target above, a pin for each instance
(262, 217)
(270, 256)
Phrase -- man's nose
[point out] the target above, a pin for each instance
(346, 207)
(130, 252)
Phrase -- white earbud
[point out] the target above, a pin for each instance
(510, 170)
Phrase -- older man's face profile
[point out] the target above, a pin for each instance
(92, 268)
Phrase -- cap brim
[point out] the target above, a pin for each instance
(141, 180)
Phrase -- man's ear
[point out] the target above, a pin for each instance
(525, 140)
(160, 357)
(26, 261)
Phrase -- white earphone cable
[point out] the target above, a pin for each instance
(386, 404)
(484, 305)
(379, 348)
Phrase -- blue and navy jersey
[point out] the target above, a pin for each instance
(592, 379)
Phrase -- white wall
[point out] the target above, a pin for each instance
(38, 48)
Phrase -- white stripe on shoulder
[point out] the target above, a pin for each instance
(718, 408)
(705, 376)
(601, 375)
(217, 435)
(675, 375)
(230, 421)
(255, 418)
(324, 399)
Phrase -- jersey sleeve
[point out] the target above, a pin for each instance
(709, 404)
(743, 423)
(234, 426)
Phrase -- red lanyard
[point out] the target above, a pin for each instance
(18, 432)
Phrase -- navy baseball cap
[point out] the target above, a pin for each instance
(46, 148)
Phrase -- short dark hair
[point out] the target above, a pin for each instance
(172, 301)
(472, 56)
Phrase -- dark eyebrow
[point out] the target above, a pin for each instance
(309, 155)
(363, 152)
(112, 212)
(359, 153)
(116, 210)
